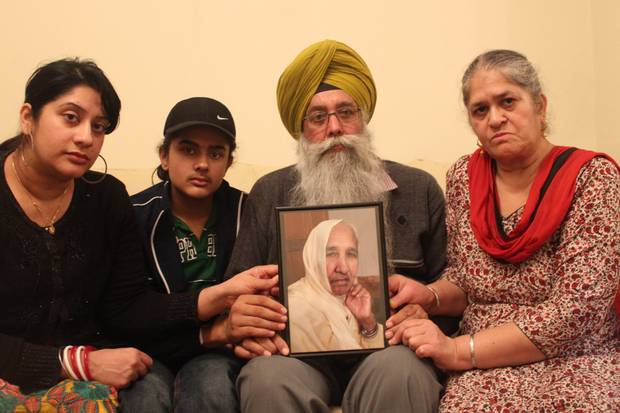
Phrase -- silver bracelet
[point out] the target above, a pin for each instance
(436, 294)
(472, 352)
(370, 333)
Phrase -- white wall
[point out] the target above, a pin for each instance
(159, 52)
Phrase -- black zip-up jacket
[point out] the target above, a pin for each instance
(163, 262)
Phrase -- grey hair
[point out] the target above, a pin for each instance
(515, 66)
(511, 64)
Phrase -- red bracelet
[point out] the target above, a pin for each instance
(67, 364)
(79, 357)
(85, 354)
(73, 362)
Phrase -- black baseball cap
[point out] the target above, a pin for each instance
(200, 111)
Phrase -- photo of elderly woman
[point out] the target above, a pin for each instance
(335, 296)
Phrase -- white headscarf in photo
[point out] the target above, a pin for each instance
(314, 286)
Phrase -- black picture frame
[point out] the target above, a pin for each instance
(312, 314)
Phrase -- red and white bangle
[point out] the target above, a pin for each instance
(79, 360)
(74, 362)
(62, 365)
(66, 363)
(85, 361)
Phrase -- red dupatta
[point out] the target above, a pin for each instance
(547, 204)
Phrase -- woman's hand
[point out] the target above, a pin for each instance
(359, 301)
(427, 340)
(118, 367)
(404, 291)
(400, 321)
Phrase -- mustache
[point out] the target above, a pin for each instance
(346, 141)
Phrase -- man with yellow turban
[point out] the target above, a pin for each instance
(324, 64)
(326, 98)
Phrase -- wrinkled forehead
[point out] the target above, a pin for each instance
(491, 84)
(342, 234)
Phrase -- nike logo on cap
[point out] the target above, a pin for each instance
(221, 117)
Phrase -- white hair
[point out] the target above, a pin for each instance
(338, 177)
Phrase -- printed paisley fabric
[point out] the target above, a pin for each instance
(68, 396)
(561, 298)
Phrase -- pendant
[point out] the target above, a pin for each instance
(51, 229)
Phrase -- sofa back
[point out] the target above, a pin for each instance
(243, 175)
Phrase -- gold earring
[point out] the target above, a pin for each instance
(102, 177)
(28, 137)
(479, 145)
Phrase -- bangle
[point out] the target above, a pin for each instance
(62, 365)
(67, 364)
(85, 354)
(436, 294)
(200, 339)
(370, 333)
(74, 363)
(79, 358)
(472, 352)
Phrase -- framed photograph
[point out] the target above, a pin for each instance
(333, 278)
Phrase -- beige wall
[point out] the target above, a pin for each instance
(158, 52)
(606, 25)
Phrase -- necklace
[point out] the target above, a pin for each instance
(50, 228)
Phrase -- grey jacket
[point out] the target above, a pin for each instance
(415, 214)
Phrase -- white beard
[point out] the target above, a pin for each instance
(347, 176)
(338, 177)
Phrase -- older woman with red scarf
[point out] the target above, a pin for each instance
(533, 250)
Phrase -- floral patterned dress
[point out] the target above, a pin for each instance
(68, 396)
(561, 298)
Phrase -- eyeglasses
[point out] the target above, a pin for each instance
(345, 114)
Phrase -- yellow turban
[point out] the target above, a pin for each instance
(328, 62)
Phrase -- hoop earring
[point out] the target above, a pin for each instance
(30, 138)
(21, 155)
(153, 176)
(22, 146)
(105, 173)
